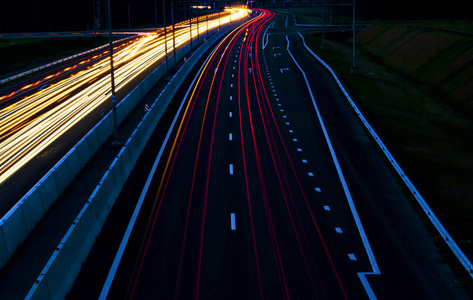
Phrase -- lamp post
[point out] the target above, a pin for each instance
(323, 46)
(114, 97)
(165, 36)
(173, 36)
(354, 68)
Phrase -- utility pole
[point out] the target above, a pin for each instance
(114, 97)
(173, 36)
(323, 46)
(129, 20)
(190, 24)
(354, 68)
(198, 33)
(155, 13)
(165, 37)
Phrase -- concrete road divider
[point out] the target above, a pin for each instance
(58, 275)
(20, 221)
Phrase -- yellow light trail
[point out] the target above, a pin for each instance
(31, 124)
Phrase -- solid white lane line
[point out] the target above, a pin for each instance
(232, 221)
(356, 217)
(131, 224)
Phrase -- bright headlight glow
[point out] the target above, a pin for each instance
(31, 124)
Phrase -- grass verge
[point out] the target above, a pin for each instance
(19, 55)
(431, 141)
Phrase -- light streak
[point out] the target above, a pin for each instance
(31, 124)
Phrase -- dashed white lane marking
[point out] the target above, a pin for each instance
(327, 208)
(275, 95)
(311, 174)
(295, 140)
(274, 91)
(235, 60)
(304, 161)
(299, 149)
(352, 256)
(231, 98)
(318, 190)
(338, 230)
(287, 123)
(230, 137)
(291, 131)
(231, 169)
(233, 68)
(282, 110)
(230, 114)
(233, 75)
(232, 221)
(284, 116)
(277, 99)
(231, 85)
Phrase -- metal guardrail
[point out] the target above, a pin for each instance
(466, 263)
(60, 61)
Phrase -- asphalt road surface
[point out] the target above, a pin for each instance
(267, 188)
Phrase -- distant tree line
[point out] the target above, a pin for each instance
(64, 15)
(415, 9)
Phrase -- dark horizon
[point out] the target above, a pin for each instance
(56, 15)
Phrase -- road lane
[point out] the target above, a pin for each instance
(240, 217)
(35, 118)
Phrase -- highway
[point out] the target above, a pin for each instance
(265, 187)
(37, 115)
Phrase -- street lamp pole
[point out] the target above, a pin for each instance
(165, 36)
(354, 68)
(114, 97)
(323, 47)
(173, 35)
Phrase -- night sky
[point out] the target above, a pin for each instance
(66, 15)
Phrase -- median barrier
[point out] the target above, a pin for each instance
(47, 190)
(15, 230)
(73, 163)
(61, 175)
(90, 218)
(33, 209)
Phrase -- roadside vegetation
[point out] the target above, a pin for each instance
(19, 55)
(415, 86)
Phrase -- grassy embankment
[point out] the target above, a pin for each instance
(416, 87)
(19, 55)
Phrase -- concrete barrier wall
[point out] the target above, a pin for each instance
(21, 219)
(55, 281)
